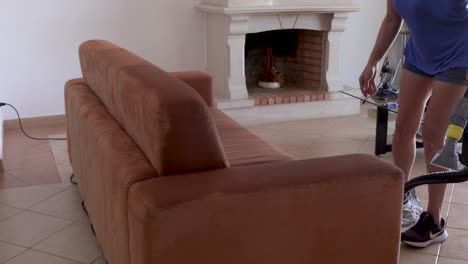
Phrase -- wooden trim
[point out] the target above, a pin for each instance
(30, 122)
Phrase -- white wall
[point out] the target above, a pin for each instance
(359, 38)
(40, 39)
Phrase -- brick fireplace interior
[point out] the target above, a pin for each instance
(298, 56)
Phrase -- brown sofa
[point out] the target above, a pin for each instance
(168, 178)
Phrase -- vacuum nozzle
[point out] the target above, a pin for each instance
(447, 157)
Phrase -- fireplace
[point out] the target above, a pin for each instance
(297, 61)
(306, 51)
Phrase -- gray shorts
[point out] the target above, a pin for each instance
(455, 75)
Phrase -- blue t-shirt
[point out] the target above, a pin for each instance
(439, 33)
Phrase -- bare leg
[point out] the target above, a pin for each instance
(445, 97)
(414, 93)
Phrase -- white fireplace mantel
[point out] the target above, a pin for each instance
(275, 9)
(228, 22)
(276, 3)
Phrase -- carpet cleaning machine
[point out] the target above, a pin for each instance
(447, 157)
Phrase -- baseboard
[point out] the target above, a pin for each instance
(35, 121)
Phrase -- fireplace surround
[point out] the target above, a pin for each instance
(230, 22)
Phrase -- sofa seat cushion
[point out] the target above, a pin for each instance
(241, 146)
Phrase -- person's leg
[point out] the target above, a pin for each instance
(414, 93)
(445, 97)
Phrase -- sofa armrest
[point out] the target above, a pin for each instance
(76, 82)
(330, 210)
(200, 82)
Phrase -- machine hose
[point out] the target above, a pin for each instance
(437, 178)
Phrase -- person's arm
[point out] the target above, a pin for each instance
(387, 34)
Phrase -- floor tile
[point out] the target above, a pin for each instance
(345, 122)
(16, 143)
(28, 157)
(30, 162)
(6, 211)
(59, 149)
(316, 127)
(39, 175)
(56, 130)
(460, 194)
(100, 260)
(64, 173)
(25, 197)
(458, 216)
(85, 220)
(7, 180)
(8, 251)
(443, 260)
(456, 244)
(31, 256)
(423, 192)
(27, 228)
(58, 146)
(66, 242)
(368, 146)
(65, 205)
(412, 257)
(430, 250)
(350, 132)
(62, 159)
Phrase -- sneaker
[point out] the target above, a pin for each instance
(425, 232)
(413, 199)
(412, 210)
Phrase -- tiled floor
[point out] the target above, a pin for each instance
(41, 220)
(29, 162)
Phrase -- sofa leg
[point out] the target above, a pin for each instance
(83, 205)
(92, 229)
(73, 179)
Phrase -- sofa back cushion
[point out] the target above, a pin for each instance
(166, 118)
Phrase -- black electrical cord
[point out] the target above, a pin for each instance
(21, 125)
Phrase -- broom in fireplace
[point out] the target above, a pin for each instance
(270, 78)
